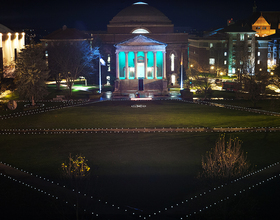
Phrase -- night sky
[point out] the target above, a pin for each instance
(95, 15)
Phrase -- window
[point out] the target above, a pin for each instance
(241, 62)
(241, 37)
(46, 54)
(211, 45)
(212, 61)
(233, 70)
(259, 62)
(108, 58)
(225, 62)
(269, 49)
(268, 55)
(263, 28)
(108, 62)
(140, 31)
(259, 54)
(172, 57)
(258, 27)
(225, 54)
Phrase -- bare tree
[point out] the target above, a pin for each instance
(226, 160)
(70, 60)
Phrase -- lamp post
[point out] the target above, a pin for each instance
(99, 62)
(181, 84)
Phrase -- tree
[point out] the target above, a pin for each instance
(71, 60)
(199, 74)
(75, 167)
(31, 73)
(225, 161)
(276, 75)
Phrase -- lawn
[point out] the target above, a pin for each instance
(120, 114)
(144, 170)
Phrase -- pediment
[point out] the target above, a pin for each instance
(140, 40)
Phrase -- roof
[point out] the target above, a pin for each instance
(140, 13)
(66, 34)
(272, 17)
(235, 28)
(4, 29)
(261, 22)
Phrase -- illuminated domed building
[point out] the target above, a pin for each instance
(10, 45)
(143, 53)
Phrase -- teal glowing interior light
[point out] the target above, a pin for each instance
(131, 65)
(150, 64)
(122, 65)
(159, 65)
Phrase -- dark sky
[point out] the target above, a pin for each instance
(95, 15)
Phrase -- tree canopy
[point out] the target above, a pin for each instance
(70, 60)
(31, 73)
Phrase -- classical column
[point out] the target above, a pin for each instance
(135, 65)
(126, 66)
(164, 65)
(155, 65)
(117, 65)
(145, 65)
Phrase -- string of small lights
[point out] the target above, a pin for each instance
(146, 216)
(48, 131)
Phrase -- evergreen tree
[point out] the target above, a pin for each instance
(31, 73)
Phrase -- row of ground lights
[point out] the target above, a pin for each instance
(133, 130)
(171, 207)
(36, 111)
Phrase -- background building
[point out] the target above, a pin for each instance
(242, 47)
(10, 45)
(143, 19)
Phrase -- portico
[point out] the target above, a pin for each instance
(140, 66)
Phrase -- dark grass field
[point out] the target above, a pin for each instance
(146, 170)
(120, 114)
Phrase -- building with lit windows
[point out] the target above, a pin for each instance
(143, 52)
(10, 45)
(243, 47)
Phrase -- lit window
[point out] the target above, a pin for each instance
(259, 62)
(233, 70)
(172, 62)
(225, 62)
(242, 37)
(241, 62)
(225, 54)
(173, 79)
(46, 54)
(109, 68)
(140, 31)
(211, 45)
(259, 53)
(108, 58)
(212, 61)
(268, 55)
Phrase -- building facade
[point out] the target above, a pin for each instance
(244, 47)
(159, 54)
(10, 45)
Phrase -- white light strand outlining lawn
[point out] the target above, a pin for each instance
(145, 216)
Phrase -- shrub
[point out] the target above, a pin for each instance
(225, 161)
